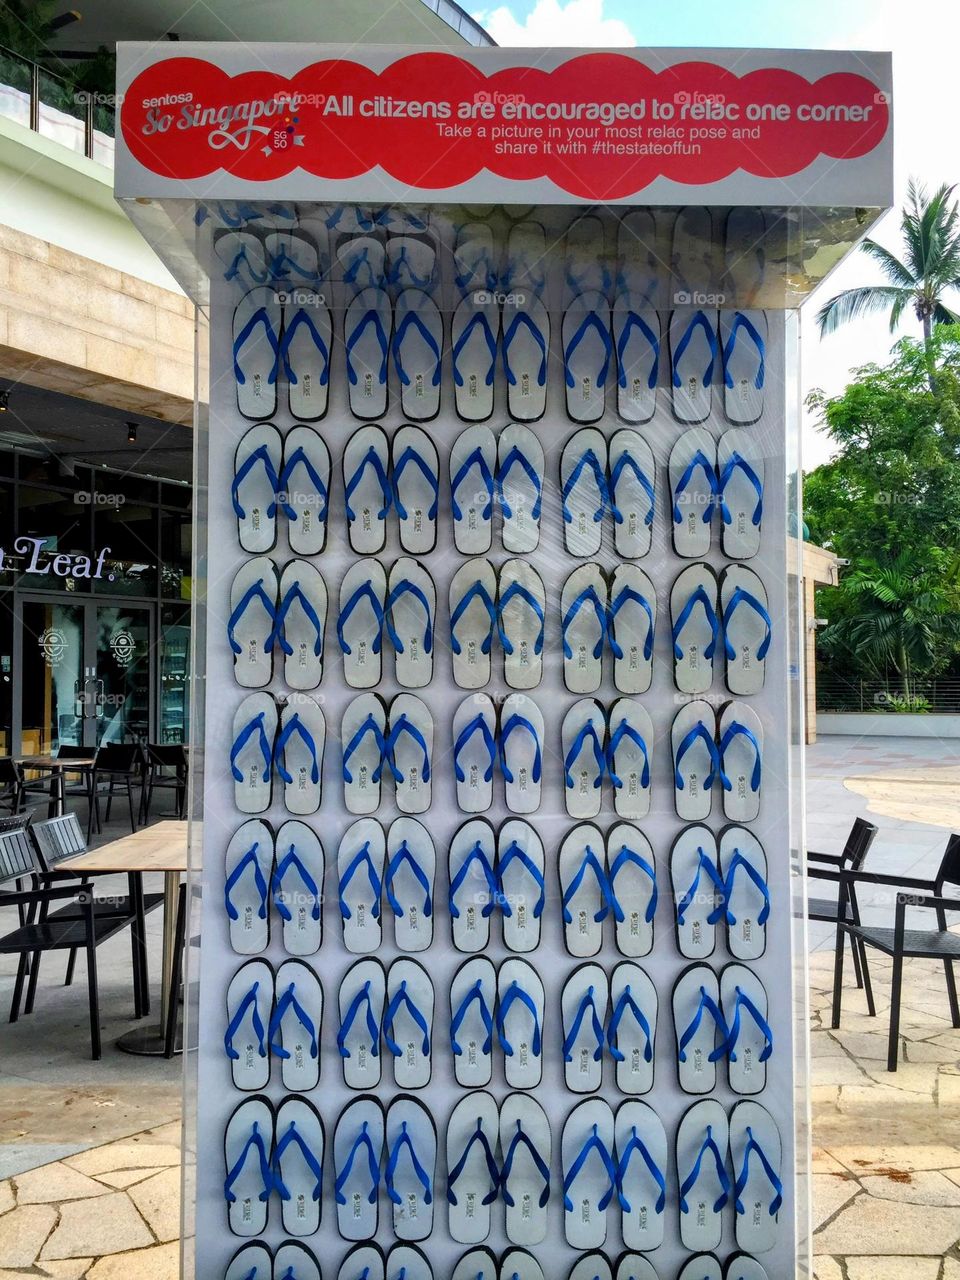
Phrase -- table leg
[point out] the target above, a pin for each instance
(151, 1041)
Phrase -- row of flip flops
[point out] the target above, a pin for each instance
(282, 1150)
(391, 1014)
(717, 882)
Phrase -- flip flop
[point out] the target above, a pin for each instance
(473, 466)
(251, 754)
(694, 357)
(592, 1266)
(744, 239)
(519, 487)
(628, 751)
(248, 1152)
(743, 999)
(243, 256)
(696, 760)
(742, 1267)
(705, 1186)
(360, 864)
(756, 1153)
(294, 1259)
(517, 1264)
(583, 491)
(740, 469)
(297, 887)
(638, 259)
(368, 494)
(409, 883)
(478, 1264)
(357, 1153)
(521, 865)
(411, 262)
(257, 322)
(298, 754)
(525, 266)
(476, 260)
(408, 1023)
(473, 620)
(253, 609)
(525, 346)
(361, 1004)
(589, 1173)
(521, 609)
(693, 491)
(363, 1262)
(304, 490)
(636, 340)
(587, 355)
(747, 628)
(411, 1148)
(740, 751)
(632, 1032)
(252, 1262)
(300, 622)
(473, 1177)
(695, 627)
(298, 1165)
(583, 1007)
(256, 481)
(363, 732)
(416, 489)
(743, 336)
(700, 1028)
(417, 349)
(410, 616)
(474, 338)
(293, 257)
(632, 881)
(584, 265)
(473, 994)
(693, 265)
(367, 327)
(246, 892)
(519, 1020)
(585, 889)
(249, 1006)
(526, 1145)
(705, 1266)
(699, 891)
(631, 1266)
(584, 625)
(363, 601)
(641, 1148)
(305, 351)
(631, 493)
(473, 885)
(521, 743)
(407, 1262)
(583, 739)
(475, 752)
(743, 866)
(631, 628)
(362, 259)
(296, 1025)
(409, 748)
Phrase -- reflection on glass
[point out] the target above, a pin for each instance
(123, 674)
(53, 692)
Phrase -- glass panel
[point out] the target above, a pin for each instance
(174, 675)
(15, 74)
(126, 534)
(104, 130)
(6, 673)
(61, 116)
(123, 674)
(51, 551)
(52, 685)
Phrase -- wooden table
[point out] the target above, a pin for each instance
(57, 766)
(163, 848)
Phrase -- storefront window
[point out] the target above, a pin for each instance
(52, 547)
(6, 672)
(174, 674)
(176, 549)
(127, 533)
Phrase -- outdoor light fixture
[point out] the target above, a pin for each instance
(66, 19)
(131, 433)
(4, 400)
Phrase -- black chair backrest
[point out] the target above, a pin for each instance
(15, 822)
(17, 858)
(10, 772)
(949, 872)
(167, 755)
(58, 838)
(119, 757)
(861, 837)
(74, 753)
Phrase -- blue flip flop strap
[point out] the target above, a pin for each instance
(364, 591)
(413, 318)
(296, 594)
(690, 1181)
(630, 857)
(293, 1137)
(371, 316)
(476, 592)
(745, 597)
(475, 459)
(515, 854)
(738, 860)
(626, 730)
(262, 456)
(352, 273)
(254, 726)
(734, 463)
(240, 259)
(360, 859)
(519, 591)
(296, 726)
(592, 862)
(699, 596)
(405, 725)
(362, 996)
(625, 461)
(395, 272)
(708, 1004)
(370, 459)
(734, 730)
(520, 722)
(699, 731)
(704, 864)
(514, 993)
(404, 855)
(254, 592)
(299, 459)
(628, 595)
(474, 994)
(593, 1143)
(768, 1169)
(494, 1173)
(286, 1002)
(637, 1144)
(587, 731)
(587, 459)
(410, 454)
(402, 998)
(541, 1165)
(279, 268)
(635, 321)
(522, 318)
(740, 321)
(624, 1004)
(248, 859)
(590, 321)
(744, 1001)
(405, 1141)
(369, 726)
(363, 1139)
(466, 280)
(587, 596)
(699, 462)
(406, 587)
(514, 458)
(587, 1003)
(476, 854)
(697, 321)
(249, 1001)
(260, 316)
(302, 318)
(293, 860)
(478, 723)
(255, 1141)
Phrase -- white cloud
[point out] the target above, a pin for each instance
(553, 23)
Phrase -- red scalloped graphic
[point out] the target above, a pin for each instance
(162, 137)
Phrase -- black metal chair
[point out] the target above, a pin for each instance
(827, 867)
(11, 785)
(166, 770)
(902, 943)
(118, 764)
(80, 782)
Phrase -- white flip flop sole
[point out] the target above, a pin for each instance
(362, 602)
(300, 746)
(303, 604)
(741, 507)
(694, 771)
(698, 1035)
(695, 628)
(521, 611)
(300, 1069)
(757, 1228)
(583, 738)
(300, 854)
(525, 345)
(411, 750)
(475, 752)
(630, 986)
(583, 620)
(255, 720)
(299, 1120)
(473, 466)
(519, 1026)
(522, 731)
(357, 1143)
(474, 342)
(473, 611)
(633, 493)
(252, 631)
(363, 991)
(473, 989)
(248, 1211)
(251, 846)
(583, 901)
(257, 465)
(746, 904)
(632, 614)
(417, 347)
(470, 903)
(306, 454)
(643, 1223)
(748, 1054)
(307, 346)
(522, 898)
(408, 1121)
(250, 1000)
(701, 1223)
(408, 984)
(636, 341)
(416, 487)
(743, 338)
(367, 492)
(587, 355)
(694, 891)
(583, 1008)
(363, 731)
(360, 863)
(632, 873)
(583, 491)
(747, 636)
(367, 332)
(524, 1124)
(693, 478)
(740, 761)
(475, 1120)
(257, 322)
(520, 493)
(410, 850)
(629, 757)
(584, 1222)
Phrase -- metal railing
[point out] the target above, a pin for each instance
(838, 693)
(52, 107)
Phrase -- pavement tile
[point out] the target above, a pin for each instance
(825, 1268)
(130, 1154)
(931, 1051)
(863, 1160)
(159, 1263)
(873, 1268)
(120, 1179)
(69, 1269)
(836, 1071)
(822, 1161)
(22, 1233)
(830, 1192)
(7, 1198)
(108, 1224)
(158, 1200)
(925, 1186)
(52, 1183)
(869, 1224)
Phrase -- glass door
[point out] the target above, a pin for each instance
(122, 650)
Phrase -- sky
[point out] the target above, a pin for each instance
(924, 37)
